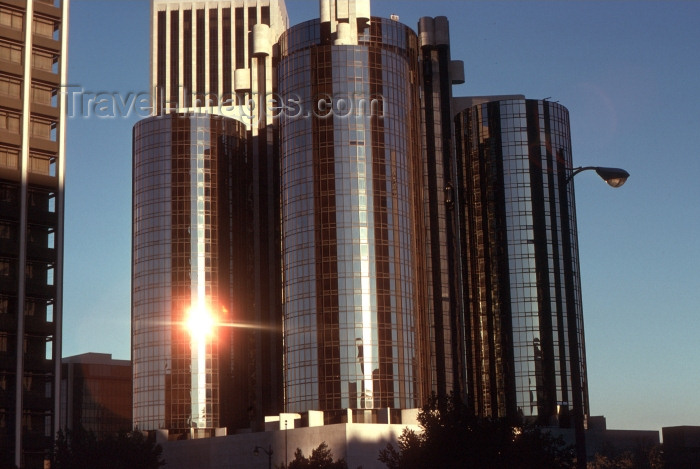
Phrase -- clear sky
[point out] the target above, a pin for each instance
(629, 73)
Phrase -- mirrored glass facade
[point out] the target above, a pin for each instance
(189, 233)
(351, 223)
(522, 285)
(445, 311)
(216, 58)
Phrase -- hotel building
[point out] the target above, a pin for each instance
(182, 211)
(526, 353)
(352, 226)
(33, 45)
(368, 242)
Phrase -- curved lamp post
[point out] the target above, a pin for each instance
(614, 177)
(268, 451)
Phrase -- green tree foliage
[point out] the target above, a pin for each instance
(321, 458)
(453, 438)
(82, 450)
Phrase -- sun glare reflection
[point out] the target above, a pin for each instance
(200, 322)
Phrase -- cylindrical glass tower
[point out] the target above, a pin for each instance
(180, 287)
(522, 284)
(351, 232)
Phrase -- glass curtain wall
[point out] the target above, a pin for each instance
(180, 292)
(351, 231)
(522, 283)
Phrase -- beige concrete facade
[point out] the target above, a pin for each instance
(358, 443)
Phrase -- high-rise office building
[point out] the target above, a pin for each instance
(526, 354)
(33, 45)
(96, 394)
(215, 57)
(206, 222)
(351, 213)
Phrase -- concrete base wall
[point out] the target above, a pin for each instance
(358, 443)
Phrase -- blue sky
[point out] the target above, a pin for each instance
(627, 71)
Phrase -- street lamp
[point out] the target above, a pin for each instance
(614, 177)
(268, 451)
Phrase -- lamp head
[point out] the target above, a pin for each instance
(614, 177)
